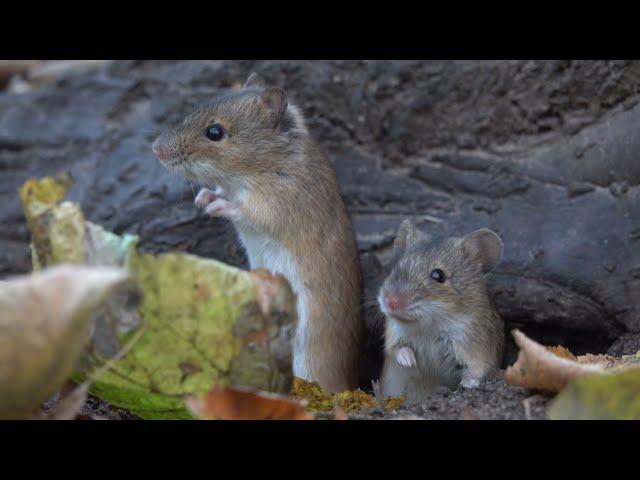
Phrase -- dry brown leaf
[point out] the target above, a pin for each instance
(606, 360)
(69, 405)
(238, 403)
(561, 351)
(45, 319)
(540, 368)
(550, 369)
(339, 414)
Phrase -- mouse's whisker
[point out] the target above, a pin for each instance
(193, 188)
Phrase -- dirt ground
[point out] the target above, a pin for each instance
(492, 400)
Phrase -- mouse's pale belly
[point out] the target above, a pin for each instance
(436, 360)
(435, 365)
(264, 252)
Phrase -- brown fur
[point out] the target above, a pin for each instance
(286, 191)
(453, 323)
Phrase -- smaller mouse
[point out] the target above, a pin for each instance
(441, 326)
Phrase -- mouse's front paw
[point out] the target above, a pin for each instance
(214, 205)
(205, 197)
(406, 357)
(221, 208)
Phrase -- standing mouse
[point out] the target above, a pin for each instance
(442, 328)
(281, 194)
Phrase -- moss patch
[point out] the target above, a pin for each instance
(355, 401)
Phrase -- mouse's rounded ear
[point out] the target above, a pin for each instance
(253, 80)
(408, 234)
(274, 101)
(484, 246)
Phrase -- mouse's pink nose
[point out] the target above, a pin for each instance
(159, 150)
(394, 302)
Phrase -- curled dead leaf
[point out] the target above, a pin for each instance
(538, 367)
(45, 323)
(551, 369)
(239, 403)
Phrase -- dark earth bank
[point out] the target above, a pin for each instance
(543, 152)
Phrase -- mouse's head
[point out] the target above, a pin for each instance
(243, 132)
(438, 280)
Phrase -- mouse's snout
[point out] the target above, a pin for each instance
(170, 149)
(159, 149)
(392, 301)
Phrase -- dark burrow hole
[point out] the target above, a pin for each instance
(578, 342)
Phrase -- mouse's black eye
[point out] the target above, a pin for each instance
(215, 132)
(438, 275)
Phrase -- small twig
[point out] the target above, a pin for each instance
(71, 403)
(101, 408)
(527, 408)
(527, 404)
(379, 394)
(72, 398)
(123, 351)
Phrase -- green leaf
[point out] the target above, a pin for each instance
(206, 324)
(614, 396)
